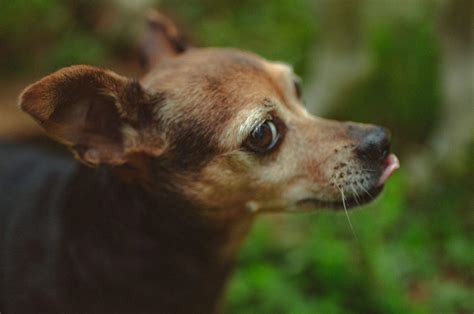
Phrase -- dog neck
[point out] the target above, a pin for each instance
(142, 240)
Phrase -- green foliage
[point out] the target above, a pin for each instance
(47, 34)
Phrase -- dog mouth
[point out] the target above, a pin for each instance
(391, 164)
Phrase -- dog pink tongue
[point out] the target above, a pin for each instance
(391, 164)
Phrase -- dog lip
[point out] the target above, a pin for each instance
(391, 164)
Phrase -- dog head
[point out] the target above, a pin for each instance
(224, 128)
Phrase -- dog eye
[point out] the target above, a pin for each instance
(297, 84)
(263, 138)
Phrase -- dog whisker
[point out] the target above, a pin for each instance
(365, 190)
(347, 213)
(356, 194)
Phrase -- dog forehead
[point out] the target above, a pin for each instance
(211, 80)
(214, 67)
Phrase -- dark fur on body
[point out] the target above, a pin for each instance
(95, 252)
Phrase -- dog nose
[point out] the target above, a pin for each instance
(375, 145)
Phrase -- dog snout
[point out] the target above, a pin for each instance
(374, 145)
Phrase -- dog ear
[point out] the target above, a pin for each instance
(101, 116)
(161, 40)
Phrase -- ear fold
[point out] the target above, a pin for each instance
(161, 40)
(101, 116)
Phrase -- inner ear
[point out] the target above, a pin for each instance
(161, 40)
(100, 124)
(101, 116)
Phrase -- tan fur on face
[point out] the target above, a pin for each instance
(226, 94)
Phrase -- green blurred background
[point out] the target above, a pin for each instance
(404, 64)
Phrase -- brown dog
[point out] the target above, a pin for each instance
(178, 164)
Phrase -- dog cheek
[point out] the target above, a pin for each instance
(219, 188)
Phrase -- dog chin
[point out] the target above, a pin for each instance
(349, 202)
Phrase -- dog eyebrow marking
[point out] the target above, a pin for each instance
(246, 121)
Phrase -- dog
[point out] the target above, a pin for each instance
(173, 168)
